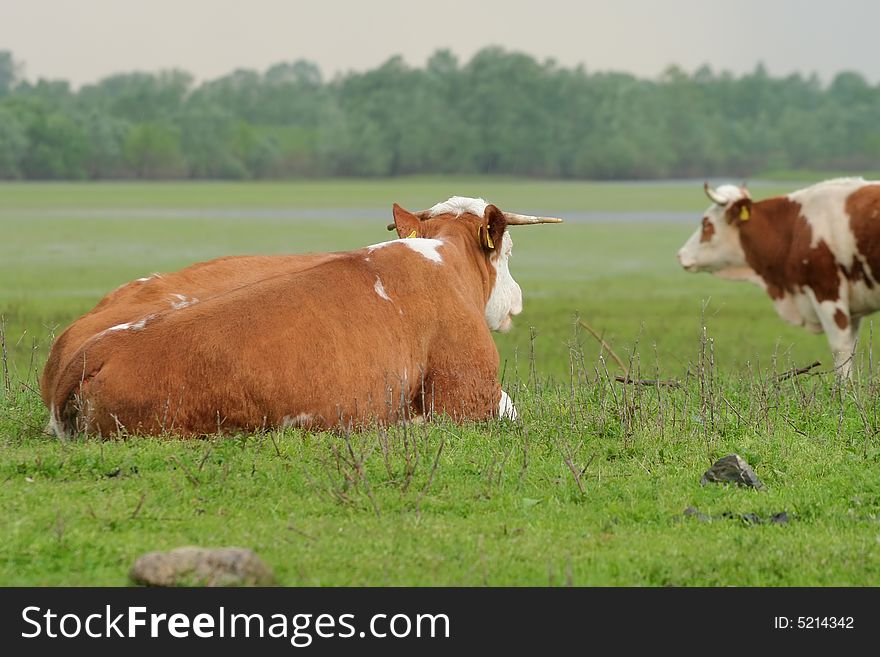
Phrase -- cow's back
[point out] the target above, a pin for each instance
(160, 292)
(863, 209)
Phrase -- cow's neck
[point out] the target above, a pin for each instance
(741, 274)
(479, 266)
(467, 262)
(766, 240)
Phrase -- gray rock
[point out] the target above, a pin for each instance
(691, 512)
(751, 518)
(780, 518)
(195, 566)
(732, 469)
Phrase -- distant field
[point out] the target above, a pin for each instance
(359, 193)
(588, 489)
(66, 245)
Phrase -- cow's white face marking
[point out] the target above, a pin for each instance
(715, 246)
(380, 289)
(426, 247)
(179, 301)
(506, 407)
(505, 301)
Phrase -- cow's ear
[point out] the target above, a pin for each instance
(493, 233)
(406, 223)
(740, 211)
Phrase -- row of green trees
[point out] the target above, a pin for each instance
(499, 113)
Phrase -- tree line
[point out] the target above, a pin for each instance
(498, 113)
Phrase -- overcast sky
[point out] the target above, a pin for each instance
(84, 40)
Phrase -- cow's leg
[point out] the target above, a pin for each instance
(461, 379)
(839, 328)
(462, 393)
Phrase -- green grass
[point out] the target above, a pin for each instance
(503, 504)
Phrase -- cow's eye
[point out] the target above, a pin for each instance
(708, 230)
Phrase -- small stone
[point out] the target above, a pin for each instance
(732, 469)
(751, 518)
(780, 518)
(195, 566)
(691, 512)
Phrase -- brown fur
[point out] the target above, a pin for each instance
(841, 319)
(131, 302)
(776, 241)
(317, 341)
(863, 208)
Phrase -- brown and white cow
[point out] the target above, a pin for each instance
(370, 336)
(815, 251)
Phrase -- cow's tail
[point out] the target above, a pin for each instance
(69, 407)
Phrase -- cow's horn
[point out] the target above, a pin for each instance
(713, 196)
(514, 219)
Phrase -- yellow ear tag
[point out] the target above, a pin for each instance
(744, 213)
(411, 235)
(489, 241)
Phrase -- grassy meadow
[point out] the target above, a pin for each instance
(589, 488)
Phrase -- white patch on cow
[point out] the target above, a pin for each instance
(424, 246)
(301, 420)
(380, 290)
(506, 408)
(505, 301)
(149, 278)
(722, 254)
(459, 205)
(55, 425)
(132, 326)
(823, 206)
(182, 301)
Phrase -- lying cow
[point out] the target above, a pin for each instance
(815, 251)
(153, 294)
(374, 335)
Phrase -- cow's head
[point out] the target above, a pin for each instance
(715, 246)
(482, 229)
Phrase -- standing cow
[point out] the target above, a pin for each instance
(370, 336)
(815, 251)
